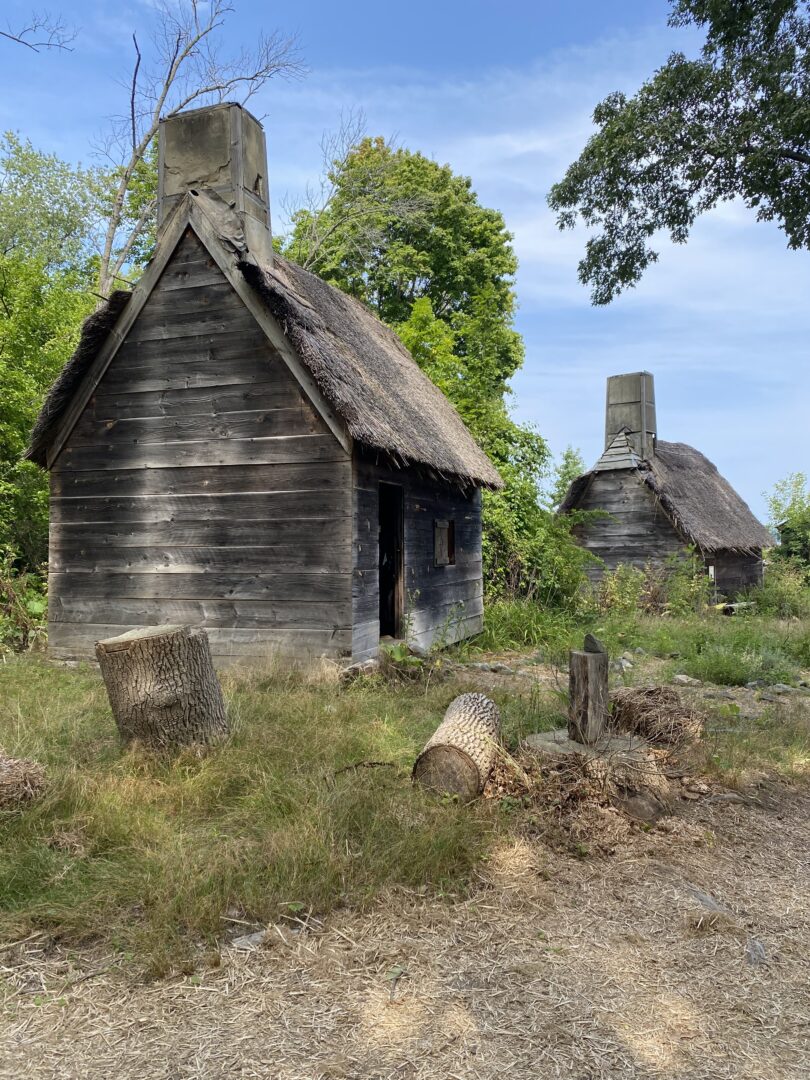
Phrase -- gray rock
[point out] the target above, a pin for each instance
(356, 671)
(621, 665)
(755, 684)
(250, 942)
(639, 651)
(593, 644)
(502, 669)
(755, 954)
(781, 688)
(480, 665)
(686, 680)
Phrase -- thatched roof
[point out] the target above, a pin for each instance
(367, 375)
(701, 504)
(363, 370)
(95, 331)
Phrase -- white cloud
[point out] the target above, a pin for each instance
(722, 321)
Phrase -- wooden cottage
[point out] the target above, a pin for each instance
(662, 497)
(239, 445)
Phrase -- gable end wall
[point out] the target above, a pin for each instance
(201, 486)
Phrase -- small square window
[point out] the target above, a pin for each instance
(444, 543)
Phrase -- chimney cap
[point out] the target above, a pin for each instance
(219, 149)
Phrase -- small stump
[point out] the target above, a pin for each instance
(162, 686)
(459, 757)
(588, 693)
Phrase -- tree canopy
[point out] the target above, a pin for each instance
(732, 123)
(46, 274)
(410, 238)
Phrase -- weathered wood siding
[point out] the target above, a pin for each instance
(441, 602)
(733, 572)
(637, 532)
(200, 485)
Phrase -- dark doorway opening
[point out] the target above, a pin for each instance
(391, 519)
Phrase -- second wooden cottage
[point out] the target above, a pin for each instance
(239, 445)
(660, 497)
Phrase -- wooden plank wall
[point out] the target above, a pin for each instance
(201, 486)
(638, 530)
(441, 601)
(733, 573)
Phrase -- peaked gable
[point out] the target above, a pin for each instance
(356, 371)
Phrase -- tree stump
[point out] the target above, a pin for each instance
(588, 693)
(459, 757)
(162, 686)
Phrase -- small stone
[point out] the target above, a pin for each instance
(755, 952)
(480, 665)
(250, 942)
(593, 644)
(357, 671)
(755, 684)
(639, 651)
(686, 680)
(502, 669)
(781, 688)
(768, 697)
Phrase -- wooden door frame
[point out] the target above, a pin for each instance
(399, 581)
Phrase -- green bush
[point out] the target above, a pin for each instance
(23, 605)
(785, 590)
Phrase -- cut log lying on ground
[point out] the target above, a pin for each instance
(162, 686)
(459, 757)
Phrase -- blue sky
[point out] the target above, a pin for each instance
(503, 93)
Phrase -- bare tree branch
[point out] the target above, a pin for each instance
(134, 91)
(43, 32)
(185, 68)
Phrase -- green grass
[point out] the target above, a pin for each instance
(712, 647)
(151, 852)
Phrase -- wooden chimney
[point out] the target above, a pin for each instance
(630, 407)
(219, 149)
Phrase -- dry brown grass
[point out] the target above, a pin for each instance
(656, 713)
(554, 967)
(21, 781)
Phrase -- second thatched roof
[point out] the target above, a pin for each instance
(701, 504)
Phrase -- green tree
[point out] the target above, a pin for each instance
(410, 238)
(789, 516)
(46, 272)
(565, 471)
(732, 123)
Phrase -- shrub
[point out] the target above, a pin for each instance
(785, 590)
(23, 605)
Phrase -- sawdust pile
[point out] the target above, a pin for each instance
(656, 713)
(21, 781)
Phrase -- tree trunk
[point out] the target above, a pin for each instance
(588, 692)
(459, 757)
(162, 686)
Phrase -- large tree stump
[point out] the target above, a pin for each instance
(162, 686)
(588, 693)
(459, 757)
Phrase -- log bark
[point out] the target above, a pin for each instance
(162, 686)
(588, 693)
(459, 757)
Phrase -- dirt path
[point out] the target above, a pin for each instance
(613, 967)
